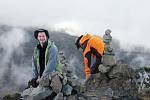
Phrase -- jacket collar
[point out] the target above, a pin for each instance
(44, 45)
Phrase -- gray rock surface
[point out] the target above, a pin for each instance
(117, 83)
(56, 84)
(36, 93)
(120, 87)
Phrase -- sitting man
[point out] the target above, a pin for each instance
(45, 57)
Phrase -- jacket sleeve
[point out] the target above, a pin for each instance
(34, 67)
(52, 60)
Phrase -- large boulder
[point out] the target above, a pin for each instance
(108, 60)
(120, 86)
(36, 93)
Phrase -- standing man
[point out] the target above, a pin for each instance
(45, 57)
(92, 46)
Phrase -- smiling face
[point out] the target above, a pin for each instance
(42, 38)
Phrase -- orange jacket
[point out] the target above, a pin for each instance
(95, 42)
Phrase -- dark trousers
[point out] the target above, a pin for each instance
(94, 68)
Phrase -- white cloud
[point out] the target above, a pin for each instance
(10, 43)
(70, 27)
(128, 19)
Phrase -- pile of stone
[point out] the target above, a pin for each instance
(57, 86)
(116, 81)
(118, 84)
(66, 67)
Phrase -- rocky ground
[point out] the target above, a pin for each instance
(117, 84)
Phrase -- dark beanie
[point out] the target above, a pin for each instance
(77, 42)
(41, 30)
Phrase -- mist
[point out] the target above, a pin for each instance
(128, 20)
(12, 74)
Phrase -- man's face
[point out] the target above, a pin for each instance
(42, 38)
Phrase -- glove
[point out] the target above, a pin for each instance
(38, 80)
(33, 83)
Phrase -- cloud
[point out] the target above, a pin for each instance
(69, 27)
(13, 75)
(128, 20)
(10, 42)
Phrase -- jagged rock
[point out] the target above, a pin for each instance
(65, 80)
(144, 94)
(143, 80)
(104, 69)
(67, 89)
(26, 92)
(72, 97)
(36, 93)
(67, 69)
(80, 97)
(122, 71)
(44, 81)
(108, 60)
(120, 87)
(56, 84)
(59, 96)
(105, 98)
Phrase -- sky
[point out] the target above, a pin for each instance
(128, 19)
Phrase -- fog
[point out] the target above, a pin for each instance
(128, 20)
(13, 75)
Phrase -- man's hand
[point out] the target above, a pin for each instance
(33, 83)
(38, 80)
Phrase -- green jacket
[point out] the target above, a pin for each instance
(52, 62)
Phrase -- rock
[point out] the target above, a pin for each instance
(72, 97)
(120, 86)
(105, 98)
(144, 94)
(122, 71)
(36, 93)
(56, 84)
(114, 82)
(104, 69)
(67, 89)
(44, 81)
(27, 92)
(64, 81)
(59, 96)
(108, 60)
